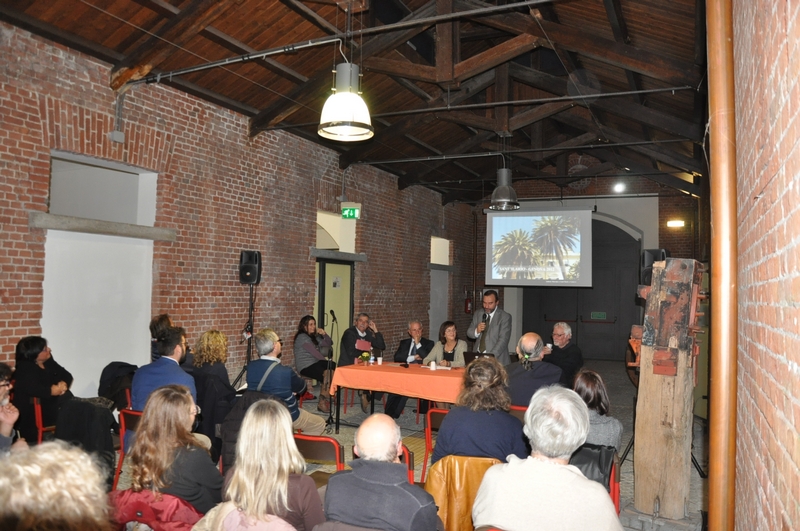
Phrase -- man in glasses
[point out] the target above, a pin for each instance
(564, 354)
(8, 414)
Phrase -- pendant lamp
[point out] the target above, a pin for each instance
(504, 197)
(345, 116)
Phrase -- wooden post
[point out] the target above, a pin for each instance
(663, 442)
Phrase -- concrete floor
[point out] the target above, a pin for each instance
(621, 394)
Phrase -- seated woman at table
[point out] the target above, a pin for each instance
(38, 375)
(480, 424)
(449, 350)
(312, 347)
(167, 458)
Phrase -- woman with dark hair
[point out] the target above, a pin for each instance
(267, 488)
(167, 458)
(603, 429)
(449, 350)
(38, 375)
(480, 424)
(312, 347)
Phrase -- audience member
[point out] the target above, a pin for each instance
(211, 353)
(38, 375)
(312, 353)
(411, 350)
(564, 354)
(163, 371)
(544, 488)
(376, 493)
(449, 350)
(603, 429)
(268, 375)
(158, 326)
(363, 329)
(527, 376)
(167, 458)
(53, 487)
(491, 328)
(8, 414)
(480, 424)
(268, 486)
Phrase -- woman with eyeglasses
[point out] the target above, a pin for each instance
(167, 458)
(267, 488)
(38, 375)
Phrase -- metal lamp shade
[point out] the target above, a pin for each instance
(345, 116)
(504, 197)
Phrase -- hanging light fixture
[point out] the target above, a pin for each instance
(504, 197)
(345, 116)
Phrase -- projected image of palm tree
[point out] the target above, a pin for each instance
(557, 236)
(515, 254)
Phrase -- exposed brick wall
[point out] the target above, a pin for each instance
(767, 88)
(220, 190)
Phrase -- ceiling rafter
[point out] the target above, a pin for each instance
(175, 32)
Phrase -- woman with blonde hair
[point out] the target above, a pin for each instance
(480, 424)
(167, 458)
(210, 355)
(268, 490)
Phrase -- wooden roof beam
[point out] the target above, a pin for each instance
(176, 32)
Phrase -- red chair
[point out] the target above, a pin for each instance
(407, 457)
(128, 420)
(433, 420)
(320, 448)
(614, 484)
(40, 427)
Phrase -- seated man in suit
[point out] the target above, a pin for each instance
(376, 493)
(363, 329)
(491, 328)
(165, 370)
(527, 376)
(411, 350)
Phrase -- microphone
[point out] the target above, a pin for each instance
(485, 317)
(334, 316)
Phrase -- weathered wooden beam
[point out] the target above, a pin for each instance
(502, 92)
(663, 444)
(469, 119)
(176, 32)
(312, 16)
(637, 167)
(430, 167)
(446, 33)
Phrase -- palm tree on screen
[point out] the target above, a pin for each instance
(555, 236)
(514, 251)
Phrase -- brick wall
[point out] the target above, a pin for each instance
(220, 190)
(767, 88)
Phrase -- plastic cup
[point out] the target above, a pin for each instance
(380, 361)
(549, 345)
(433, 365)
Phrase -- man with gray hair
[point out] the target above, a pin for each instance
(530, 374)
(564, 354)
(268, 375)
(376, 493)
(544, 488)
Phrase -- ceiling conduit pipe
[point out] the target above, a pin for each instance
(724, 281)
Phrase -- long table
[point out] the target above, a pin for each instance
(414, 381)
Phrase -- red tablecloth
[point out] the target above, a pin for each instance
(414, 381)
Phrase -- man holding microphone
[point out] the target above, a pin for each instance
(491, 329)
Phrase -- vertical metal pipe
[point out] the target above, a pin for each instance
(724, 238)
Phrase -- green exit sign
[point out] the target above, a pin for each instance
(598, 316)
(351, 213)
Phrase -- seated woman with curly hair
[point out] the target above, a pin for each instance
(167, 458)
(480, 424)
(210, 355)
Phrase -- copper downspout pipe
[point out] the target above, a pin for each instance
(724, 281)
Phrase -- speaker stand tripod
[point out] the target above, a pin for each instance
(248, 333)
